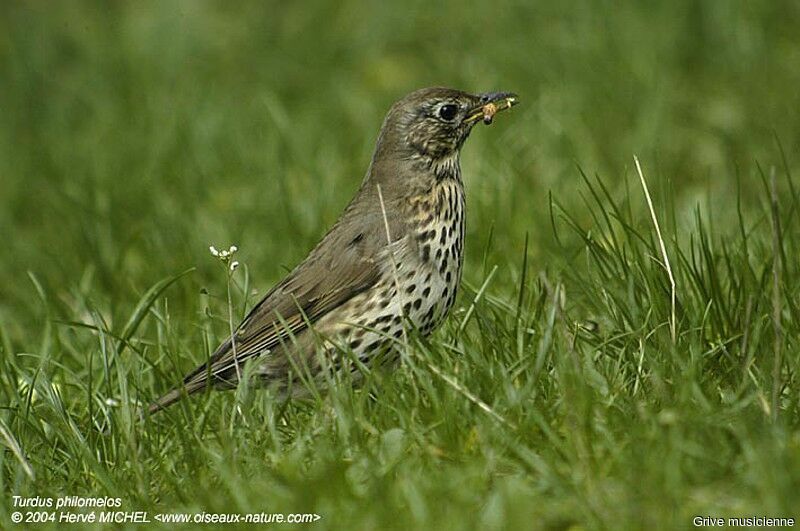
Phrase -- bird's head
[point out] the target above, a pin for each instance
(432, 123)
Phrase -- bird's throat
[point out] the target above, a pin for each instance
(447, 168)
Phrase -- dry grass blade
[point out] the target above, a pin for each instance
(664, 256)
(390, 250)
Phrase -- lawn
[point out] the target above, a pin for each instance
(607, 365)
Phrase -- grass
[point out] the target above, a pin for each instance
(557, 395)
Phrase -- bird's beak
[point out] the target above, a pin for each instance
(490, 104)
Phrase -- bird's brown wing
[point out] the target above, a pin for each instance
(301, 299)
(344, 264)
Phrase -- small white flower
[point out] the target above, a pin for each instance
(112, 402)
(234, 265)
(225, 254)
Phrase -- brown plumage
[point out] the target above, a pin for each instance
(393, 258)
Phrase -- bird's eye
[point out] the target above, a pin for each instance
(448, 111)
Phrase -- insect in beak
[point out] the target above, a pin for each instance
(496, 103)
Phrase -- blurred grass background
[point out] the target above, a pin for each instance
(135, 134)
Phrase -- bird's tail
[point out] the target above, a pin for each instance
(165, 401)
(175, 394)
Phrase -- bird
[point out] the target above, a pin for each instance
(392, 260)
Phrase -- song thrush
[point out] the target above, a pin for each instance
(393, 259)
